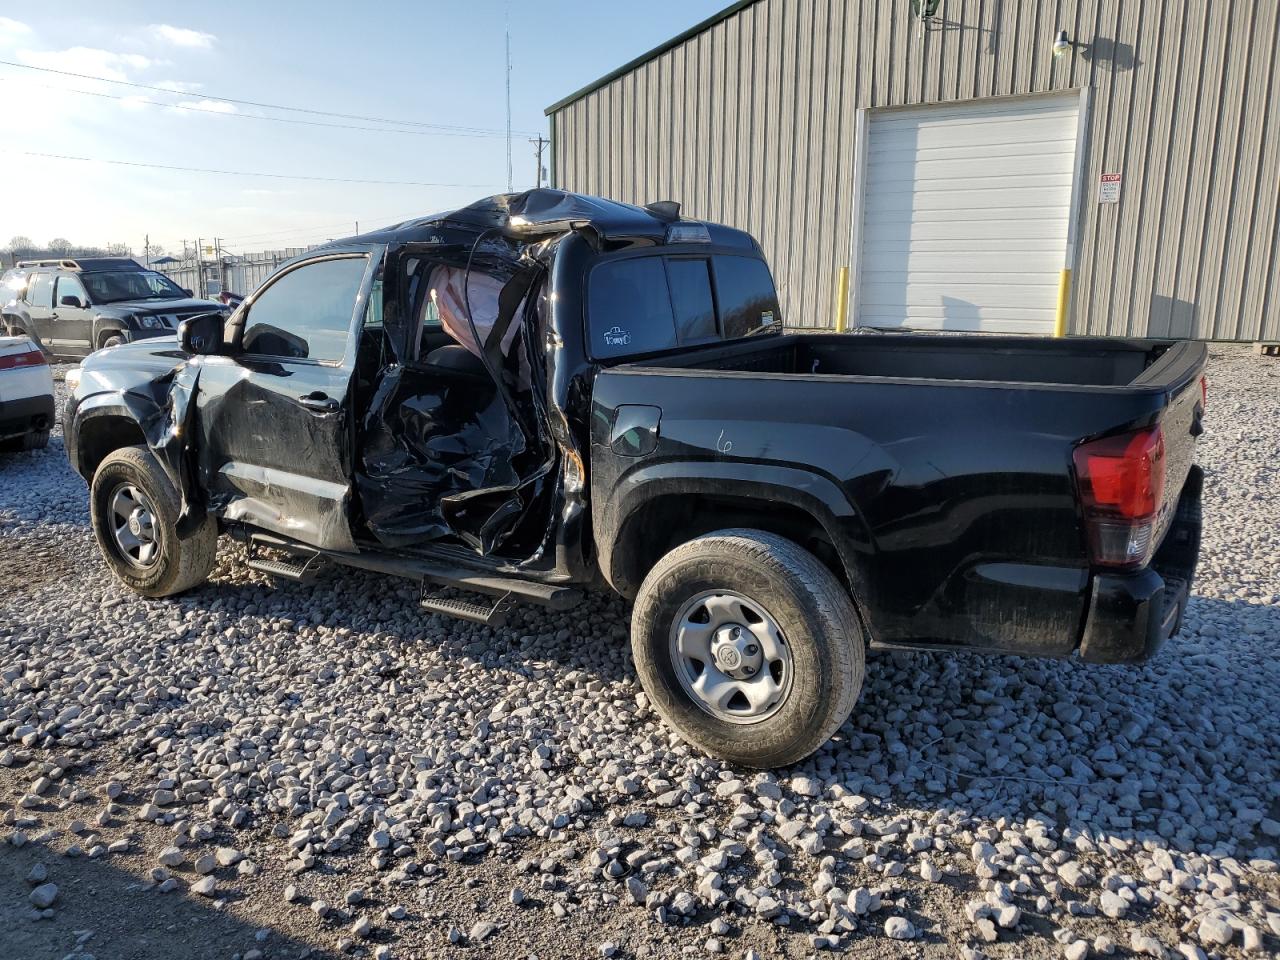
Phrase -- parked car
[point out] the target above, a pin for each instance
(544, 394)
(71, 307)
(26, 396)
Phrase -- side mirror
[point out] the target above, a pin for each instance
(202, 335)
(71, 300)
(187, 292)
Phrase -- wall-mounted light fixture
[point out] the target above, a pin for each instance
(1061, 45)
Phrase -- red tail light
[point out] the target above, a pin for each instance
(1121, 482)
(32, 358)
(1204, 393)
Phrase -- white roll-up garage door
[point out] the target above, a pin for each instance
(965, 212)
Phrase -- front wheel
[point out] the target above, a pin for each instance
(134, 510)
(114, 340)
(748, 647)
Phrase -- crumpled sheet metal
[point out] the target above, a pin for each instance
(165, 409)
(541, 213)
(446, 454)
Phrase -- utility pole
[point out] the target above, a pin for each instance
(146, 250)
(509, 183)
(540, 143)
(357, 228)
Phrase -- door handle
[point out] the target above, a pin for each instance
(319, 401)
(53, 316)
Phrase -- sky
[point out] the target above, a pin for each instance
(435, 68)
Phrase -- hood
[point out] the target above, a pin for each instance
(184, 307)
(129, 362)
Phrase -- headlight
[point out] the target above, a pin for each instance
(151, 323)
(72, 377)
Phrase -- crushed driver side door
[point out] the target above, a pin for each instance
(274, 414)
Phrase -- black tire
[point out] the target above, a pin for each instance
(31, 440)
(180, 564)
(114, 340)
(812, 609)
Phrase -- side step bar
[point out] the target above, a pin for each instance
(489, 616)
(507, 589)
(296, 568)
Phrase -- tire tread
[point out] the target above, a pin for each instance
(195, 554)
(812, 582)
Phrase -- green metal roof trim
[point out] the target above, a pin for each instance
(653, 54)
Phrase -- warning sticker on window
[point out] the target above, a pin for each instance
(766, 318)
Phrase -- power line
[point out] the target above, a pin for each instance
(245, 173)
(303, 231)
(255, 116)
(297, 231)
(256, 103)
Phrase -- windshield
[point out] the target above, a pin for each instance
(131, 285)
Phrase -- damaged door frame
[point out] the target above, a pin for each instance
(309, 506)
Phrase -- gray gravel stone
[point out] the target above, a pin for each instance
(899, 928)
(44, 895)
(1144, 790)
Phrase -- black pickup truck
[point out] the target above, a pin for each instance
(545, 393)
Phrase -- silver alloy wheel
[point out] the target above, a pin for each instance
(133, 525)
(730, 657)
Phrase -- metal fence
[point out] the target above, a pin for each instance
(208, 277)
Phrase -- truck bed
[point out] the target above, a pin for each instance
(1079, 362)
(940, 466)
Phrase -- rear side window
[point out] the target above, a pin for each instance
(630, 308)
(12, 285)
(643, 304)
(40, 290)
(748, 300)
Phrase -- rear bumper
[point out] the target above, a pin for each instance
(24, 415)
(1131, 615)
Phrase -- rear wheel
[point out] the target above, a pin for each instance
(748, 647)
(134, 509)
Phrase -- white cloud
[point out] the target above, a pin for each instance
(181, 36)
(87, 60)
(11, 31)
(207, 106)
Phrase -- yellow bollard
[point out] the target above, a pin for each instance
(1064, 292)
(842, 299)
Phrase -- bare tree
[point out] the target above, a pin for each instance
(21, 244)
(119, 250)
(60, 246)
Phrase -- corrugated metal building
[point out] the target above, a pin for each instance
(956, 167)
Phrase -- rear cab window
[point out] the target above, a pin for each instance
(40, 290)
(661, 301)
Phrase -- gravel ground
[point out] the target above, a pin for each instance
(255, 770)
